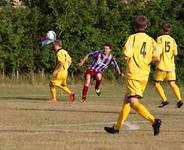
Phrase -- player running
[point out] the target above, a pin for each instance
(101, 61)
(166, 66)
(139, 51)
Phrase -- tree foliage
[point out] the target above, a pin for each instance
(82, 25)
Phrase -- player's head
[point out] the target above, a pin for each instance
(57, 45)
(140, 23)
(165, 28)
(107, 47)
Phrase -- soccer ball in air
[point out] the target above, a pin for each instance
(51, 35)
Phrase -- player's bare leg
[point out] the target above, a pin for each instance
(98, 83)
(86, 87)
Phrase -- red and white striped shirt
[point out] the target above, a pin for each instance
(100, 63)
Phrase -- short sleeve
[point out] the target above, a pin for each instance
(128, 48)
(60, 58)
(93, 54)
(175, 47)
(156, 47)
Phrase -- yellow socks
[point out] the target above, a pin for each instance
(65, 89)
(139, 108)
(176, 91)
(53, 93)
(123, 115)
(160, 91)
(174, 87)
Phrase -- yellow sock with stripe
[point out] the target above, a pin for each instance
(65, 89)
(176, 91)
(123, 115)
(53, 93)
(160, 91)
(139, 108)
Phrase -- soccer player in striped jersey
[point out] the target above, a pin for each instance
(166, 66)
(139, 51)
(101, 61)
(60, 73)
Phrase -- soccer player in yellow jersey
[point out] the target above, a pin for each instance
(139, 51)
(166, 66)
(60, 73)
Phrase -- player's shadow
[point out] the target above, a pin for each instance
(22, 98)
(90, 111)
(66, 110)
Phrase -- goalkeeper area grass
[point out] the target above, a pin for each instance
(29, 122)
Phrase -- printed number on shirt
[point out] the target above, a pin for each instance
(167, 46)
(143, 49)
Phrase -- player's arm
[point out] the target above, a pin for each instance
(175, 48)
(115, 64)
(156, 50)
(82, 61)
(126, 58)
(155, 59)
(91, 54)
(61, 57)
(127, 50)
(69, 59)
(57, 68)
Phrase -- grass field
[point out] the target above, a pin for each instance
(28, 122)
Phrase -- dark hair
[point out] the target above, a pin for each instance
(108, 44)
(140, 23)
(165, 28)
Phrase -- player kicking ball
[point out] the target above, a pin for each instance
(139, 51)
(101, 61)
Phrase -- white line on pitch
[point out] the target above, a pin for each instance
(130, 126)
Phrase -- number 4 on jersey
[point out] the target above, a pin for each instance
(143, 49)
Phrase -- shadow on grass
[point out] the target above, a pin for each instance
(80, 131)
(91, 111)
(66, 110)
(23, 98)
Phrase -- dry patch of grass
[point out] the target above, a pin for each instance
(27, 121)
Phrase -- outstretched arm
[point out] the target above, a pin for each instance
(82, 61)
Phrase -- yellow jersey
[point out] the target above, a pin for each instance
(169, 50)
(139, 49)
(63, 58)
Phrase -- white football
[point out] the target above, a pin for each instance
(51, 35)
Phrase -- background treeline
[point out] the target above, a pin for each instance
(82, 25)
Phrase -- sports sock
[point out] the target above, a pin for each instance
(176, 91)
(160, 91)
(98, 82)
(123, 115)
(53, 93)
(65, 89)
(85, 90)
(139, 108)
